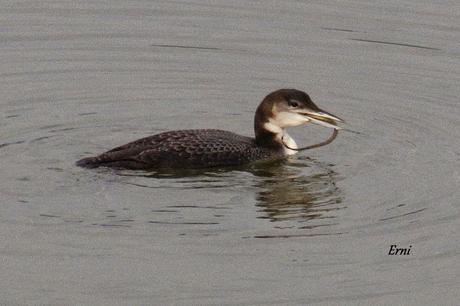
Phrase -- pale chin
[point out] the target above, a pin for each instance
(286, 119)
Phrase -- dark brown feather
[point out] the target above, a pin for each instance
(184, 149)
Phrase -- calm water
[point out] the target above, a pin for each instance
(80, 77)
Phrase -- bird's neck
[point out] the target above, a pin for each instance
(268, 134)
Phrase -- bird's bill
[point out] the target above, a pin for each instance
(323, 118)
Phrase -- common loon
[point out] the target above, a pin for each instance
(205, 148)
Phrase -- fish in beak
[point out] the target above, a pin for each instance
(323, 118)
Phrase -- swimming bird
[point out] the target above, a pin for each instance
(203, 148)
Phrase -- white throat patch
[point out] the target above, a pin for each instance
(287, 119)
(290, 142)
(282, 136)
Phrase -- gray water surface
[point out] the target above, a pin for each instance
(80, 77)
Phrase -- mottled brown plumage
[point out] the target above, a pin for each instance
(184, 149)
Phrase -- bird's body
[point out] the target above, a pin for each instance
(205, 148)
(185, 149)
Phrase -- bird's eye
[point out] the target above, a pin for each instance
(293, 103)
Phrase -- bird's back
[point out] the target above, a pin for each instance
(183, 149)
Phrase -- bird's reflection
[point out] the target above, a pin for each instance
(292, 192)
(299, 190)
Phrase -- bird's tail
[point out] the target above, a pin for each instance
(89, 162)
